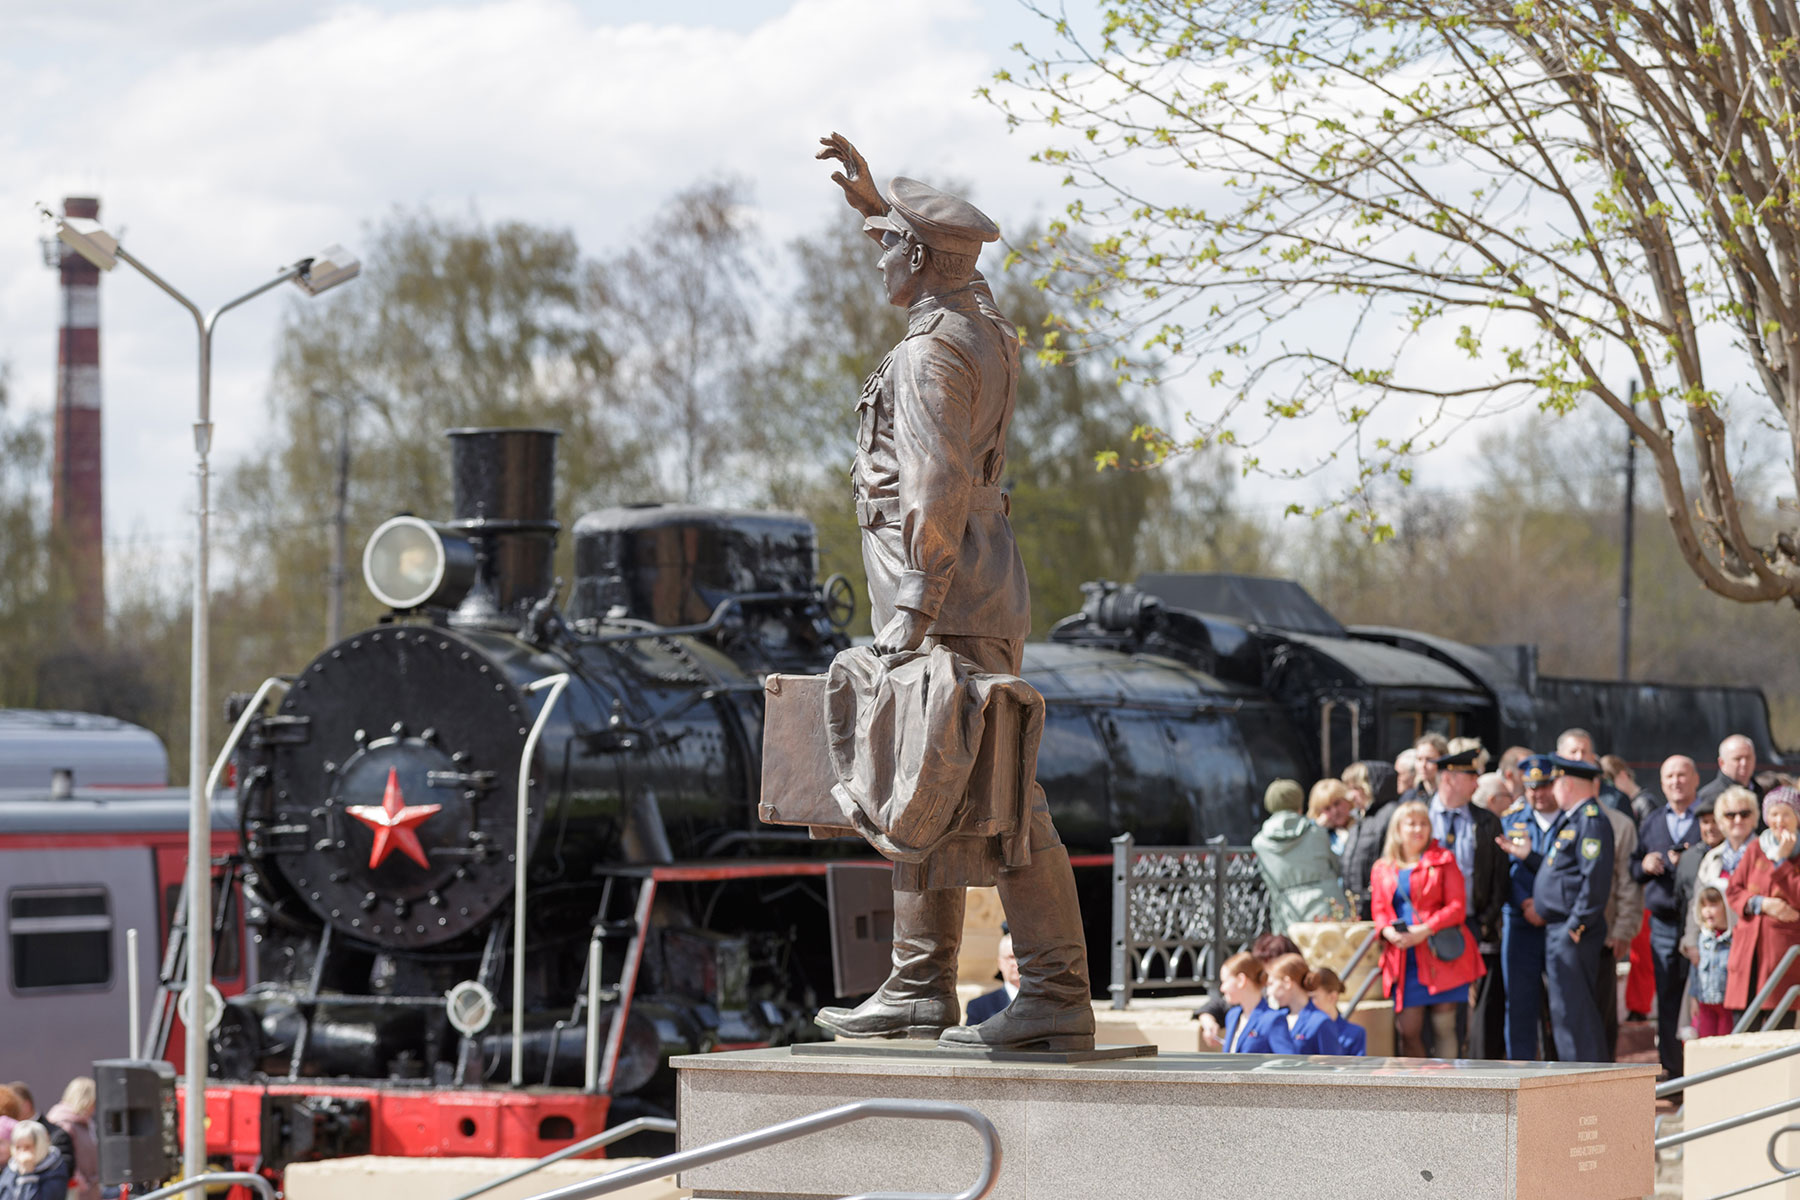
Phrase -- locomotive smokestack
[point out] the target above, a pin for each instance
(505, 482)
(76, 492)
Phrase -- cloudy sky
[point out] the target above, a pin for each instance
(228, 137)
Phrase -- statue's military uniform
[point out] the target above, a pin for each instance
(936, 539)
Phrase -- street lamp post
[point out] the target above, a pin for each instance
(327, 269)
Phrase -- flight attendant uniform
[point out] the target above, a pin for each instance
(1311, 1030)
(1263, 1031)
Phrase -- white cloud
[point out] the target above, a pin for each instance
(252, 136)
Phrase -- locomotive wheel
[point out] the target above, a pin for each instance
(840, 601)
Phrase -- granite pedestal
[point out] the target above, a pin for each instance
(1175, 1125)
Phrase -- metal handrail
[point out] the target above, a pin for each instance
(1753, 1009)
(1749, 1118)
(606, 1138)
(1781, 1010)
(214, 1179)
(1369, 980)
(1731, 1068)
(786, 1131)
(1787, 1173)
(1350, 967)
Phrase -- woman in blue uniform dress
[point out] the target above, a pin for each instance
(1290, 995)
(1328, 989)
(1251, 1026)
(1416, 891)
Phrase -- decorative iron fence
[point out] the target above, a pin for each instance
(1179, 912)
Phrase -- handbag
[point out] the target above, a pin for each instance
(1447, 944)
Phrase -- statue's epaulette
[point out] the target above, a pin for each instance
(928, 325)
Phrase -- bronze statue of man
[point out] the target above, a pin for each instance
(944, 569)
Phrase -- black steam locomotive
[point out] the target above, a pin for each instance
(487, 757)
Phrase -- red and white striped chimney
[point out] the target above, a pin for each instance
(76, 494)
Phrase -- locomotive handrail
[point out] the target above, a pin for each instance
(651, 629)
(237, 730)
(787, 1131)
(214, 1179)
(605, 1138)
(521, 830)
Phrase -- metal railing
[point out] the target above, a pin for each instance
(1183, 908)
(1369, 980)
(787, 1131)
(615, 1134)
(1675, 1141)
(1754, 1008)
(214, 1179)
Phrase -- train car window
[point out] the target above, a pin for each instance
(1213, 768)
(1405, 728)
(225, 947)
(61, 938)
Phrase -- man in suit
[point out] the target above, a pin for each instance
(988, 1003)
(1471, 833)
(1668, 834)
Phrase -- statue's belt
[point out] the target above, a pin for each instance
(874, 513)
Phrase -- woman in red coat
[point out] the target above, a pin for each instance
(1416, 890)
(1765, 894)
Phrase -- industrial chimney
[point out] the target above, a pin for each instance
(75, 495)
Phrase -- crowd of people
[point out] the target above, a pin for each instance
(53, 1155)
(1509, 901)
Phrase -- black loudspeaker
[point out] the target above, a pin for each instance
(140, 1139)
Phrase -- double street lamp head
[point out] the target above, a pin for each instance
(319, 273)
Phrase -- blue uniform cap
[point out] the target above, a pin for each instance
(1539, 770)
(1574, 767)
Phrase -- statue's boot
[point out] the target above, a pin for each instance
(919, 998)
(1053, 1010)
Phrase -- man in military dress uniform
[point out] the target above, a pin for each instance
(943, 569)
(1570, 893)
(1528, 825)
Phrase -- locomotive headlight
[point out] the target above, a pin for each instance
(410, 563)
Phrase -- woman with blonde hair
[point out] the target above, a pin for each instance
(1417, 896)
(74, 1115)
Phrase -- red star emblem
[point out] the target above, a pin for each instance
(393, 822)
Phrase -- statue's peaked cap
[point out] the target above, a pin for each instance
(940, 220)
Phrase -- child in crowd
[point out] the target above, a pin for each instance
(1352, 1038)
(1290, 987)
(1707, 984)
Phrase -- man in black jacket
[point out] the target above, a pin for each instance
(1670, 833)
(1737, 768)
(1472, 834)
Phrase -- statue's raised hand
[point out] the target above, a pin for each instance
(859, 188)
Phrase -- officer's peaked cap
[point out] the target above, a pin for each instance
(1462, 760)
(1575, 768)
(938, 219)
(1538, 771)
